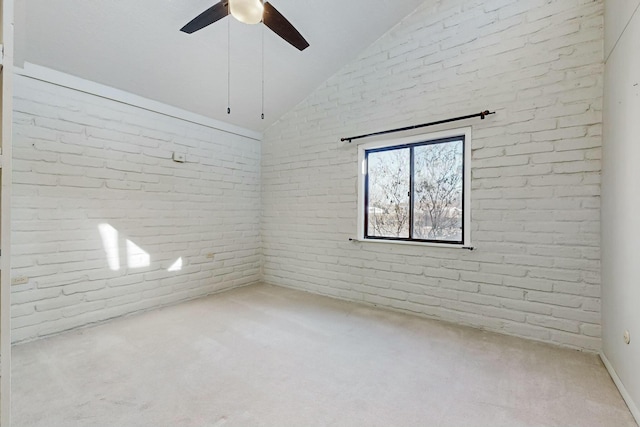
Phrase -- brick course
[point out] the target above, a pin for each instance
(536, 166)
(80, 161)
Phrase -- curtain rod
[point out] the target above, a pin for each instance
(482, 115)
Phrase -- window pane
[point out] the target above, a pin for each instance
(438, 187)
(388, 206)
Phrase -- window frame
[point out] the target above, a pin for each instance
(407, 142)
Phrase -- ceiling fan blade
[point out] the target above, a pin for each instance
(208, 17)
(279, 25)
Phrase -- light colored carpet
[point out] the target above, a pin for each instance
(268, 356)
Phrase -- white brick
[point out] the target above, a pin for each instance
(87, 168)
(535, 168)
(535, 198)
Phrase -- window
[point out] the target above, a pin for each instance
(416, 189)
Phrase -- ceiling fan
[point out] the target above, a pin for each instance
(249, 12)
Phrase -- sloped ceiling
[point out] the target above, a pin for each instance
(136, 46)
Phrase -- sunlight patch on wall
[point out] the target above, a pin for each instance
(136, 256)
(177, 266)
(110, 243)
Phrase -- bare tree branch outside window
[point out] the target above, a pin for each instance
(389, 193)
(437, 191)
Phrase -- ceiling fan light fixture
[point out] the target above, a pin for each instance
(247, 11)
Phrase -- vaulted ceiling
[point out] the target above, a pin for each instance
(136, 46)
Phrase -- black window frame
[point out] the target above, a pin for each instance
(411, 146)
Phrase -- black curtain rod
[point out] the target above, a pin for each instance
(482, 115)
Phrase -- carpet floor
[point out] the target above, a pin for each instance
(269, 356)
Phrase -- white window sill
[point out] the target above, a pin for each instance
(404, 242)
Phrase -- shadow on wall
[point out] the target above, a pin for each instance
(136, 256)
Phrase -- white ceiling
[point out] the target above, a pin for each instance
(136, 46)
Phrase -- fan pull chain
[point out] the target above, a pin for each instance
(228, 66)
(263, 72)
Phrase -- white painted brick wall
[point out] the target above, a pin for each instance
(536, 170)
(81, 160)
